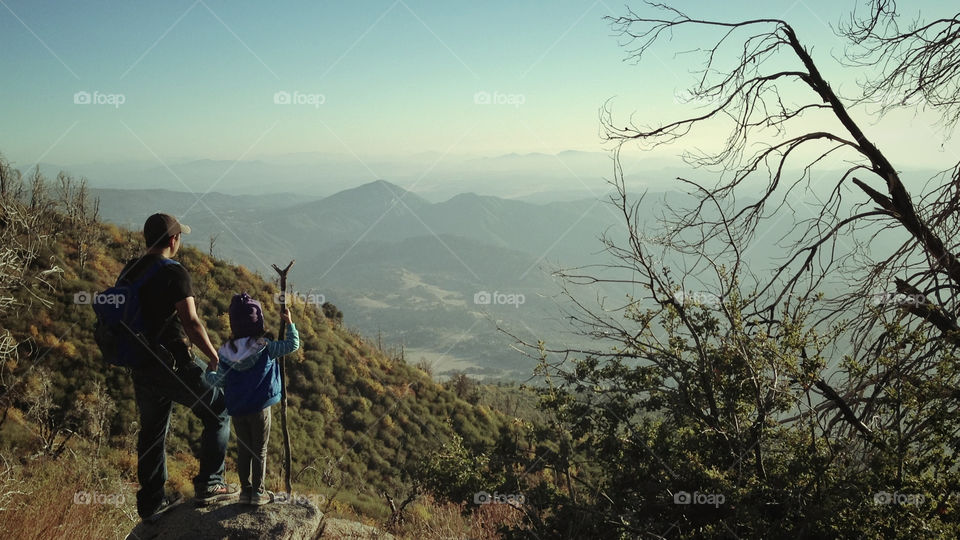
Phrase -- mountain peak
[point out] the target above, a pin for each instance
(381, 183)
(373, 197)
(378, 189)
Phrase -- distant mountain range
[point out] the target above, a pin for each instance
(535, 177)
(437, 277)
(399, 265)
(416, 272)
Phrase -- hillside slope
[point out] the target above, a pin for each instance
(362, 421)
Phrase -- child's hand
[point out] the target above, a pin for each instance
(286, 316)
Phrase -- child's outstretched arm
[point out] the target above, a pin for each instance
(291, 343)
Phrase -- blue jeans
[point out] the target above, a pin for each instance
(157, 387)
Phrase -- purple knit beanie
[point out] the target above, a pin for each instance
(246, 316)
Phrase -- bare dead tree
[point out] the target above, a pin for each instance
(11, 181)
(857, 374)
(397, 512)
(52, 429)
(6, 173)
(40, 201)
(733, 376)
(213, 245)
(82, 214)
(743, 80)
(94, 409)
(912, 63)
(22, 241)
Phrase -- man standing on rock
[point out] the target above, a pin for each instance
(170, 373)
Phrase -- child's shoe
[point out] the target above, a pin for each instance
(262, 497)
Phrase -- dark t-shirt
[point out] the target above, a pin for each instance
(159, 297)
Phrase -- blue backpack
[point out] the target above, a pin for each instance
(120, 331)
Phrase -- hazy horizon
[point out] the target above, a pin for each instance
(404, 85)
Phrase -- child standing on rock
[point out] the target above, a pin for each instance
(250, 377)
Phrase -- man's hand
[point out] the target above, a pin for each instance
(286, 316)
(194, 329)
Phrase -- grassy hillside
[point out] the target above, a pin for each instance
(363, 423)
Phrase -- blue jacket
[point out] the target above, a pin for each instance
(249, 374)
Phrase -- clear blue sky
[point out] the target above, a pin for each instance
(198, 78)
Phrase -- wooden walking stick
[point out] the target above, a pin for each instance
(283, 380)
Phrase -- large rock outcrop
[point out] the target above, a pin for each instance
(298, 520)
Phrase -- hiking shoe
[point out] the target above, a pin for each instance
(245, 493)
(262, 497)
(217, 492)
(168, 502)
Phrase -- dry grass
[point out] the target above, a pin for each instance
(68, 498)
(429, 519)
(52, 495)
(81, 495)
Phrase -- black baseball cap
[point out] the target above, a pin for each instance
(159, 227)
